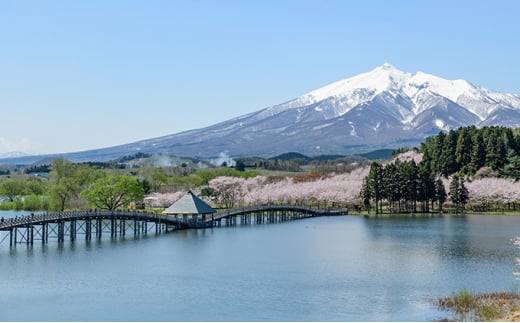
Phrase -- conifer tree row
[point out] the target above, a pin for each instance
(402, 185)
(460, 153)
(467, 149)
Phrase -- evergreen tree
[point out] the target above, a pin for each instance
(375, 184)
(512, 168)
(440, 193)
(458, 193)
(478, 154)
(426, 188)
(392, 183)
(409, 175)
(454, 191)
(463, 149)
(366, 195)
(438, 158)
(448, 164)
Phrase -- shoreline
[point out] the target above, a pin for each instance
(483, 307)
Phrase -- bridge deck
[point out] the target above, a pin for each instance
(38, 226)
(276, 208)
(37, 219)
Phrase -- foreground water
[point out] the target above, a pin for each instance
(322, 269)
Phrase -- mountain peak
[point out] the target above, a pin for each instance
(381, 108)
(387, 67)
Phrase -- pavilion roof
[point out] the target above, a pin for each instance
(189, 204)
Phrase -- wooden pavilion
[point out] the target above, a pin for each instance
(191, 208)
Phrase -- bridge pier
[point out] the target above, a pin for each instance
(44, 232)
(73, 230)
(88, 229)
(113, 231)
(68, 224)
(61, 231)
(99, 228)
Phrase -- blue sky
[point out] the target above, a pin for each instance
(78, 75)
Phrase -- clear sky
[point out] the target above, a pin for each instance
(77, 75)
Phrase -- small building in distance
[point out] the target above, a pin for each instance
(191, 208)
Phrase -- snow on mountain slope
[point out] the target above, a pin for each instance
(383, 108)
(364, 87)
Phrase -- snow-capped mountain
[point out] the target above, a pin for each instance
(383, 108)
(15, 154)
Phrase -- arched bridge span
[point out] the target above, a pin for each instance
(34, 227)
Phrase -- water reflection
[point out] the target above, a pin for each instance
(323, 269)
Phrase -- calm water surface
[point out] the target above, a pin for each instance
(322, 269)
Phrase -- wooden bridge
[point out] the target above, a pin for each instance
(34, 227)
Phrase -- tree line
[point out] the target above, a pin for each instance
(83, 185)
(69, 183)
(406, 185)
(466, 150)
(461, 154)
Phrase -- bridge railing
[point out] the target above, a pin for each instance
(277, 207)
(145, 216)
(75, 215)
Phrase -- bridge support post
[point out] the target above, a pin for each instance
(112, 228)
(99, 229)
(72, 230)
(61, 231)
(88, 229)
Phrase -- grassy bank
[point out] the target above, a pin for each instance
(484, 307)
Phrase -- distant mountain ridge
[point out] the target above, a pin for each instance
(383, 108)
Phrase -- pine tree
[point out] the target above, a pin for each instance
(448, 160)
(478, 154)
(375, 184)
(438, 158)
(459, 194)
(463, 149)
(512, 168)
(392, 183)
(365, 194)
(440, 193)
(426, 188)
(409, 175)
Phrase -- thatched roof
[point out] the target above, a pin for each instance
(189, 204)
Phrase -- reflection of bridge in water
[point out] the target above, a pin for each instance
(89, 224)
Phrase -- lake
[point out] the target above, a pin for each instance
(346, 268)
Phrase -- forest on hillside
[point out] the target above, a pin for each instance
(468, 149)
(465, 155)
